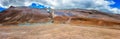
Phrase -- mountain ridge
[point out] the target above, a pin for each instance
(16, 15)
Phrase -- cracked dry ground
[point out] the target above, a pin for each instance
(58, 31)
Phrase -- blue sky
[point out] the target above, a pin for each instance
(1, 9)
(110, 6)
(117, 4)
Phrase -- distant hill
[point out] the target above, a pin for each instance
(17, 15)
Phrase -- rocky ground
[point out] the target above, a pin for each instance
(58, 31)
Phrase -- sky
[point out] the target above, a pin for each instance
(110, 6)
(117, 4)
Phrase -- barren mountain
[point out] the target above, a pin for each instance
(17, 15)
(22, 15)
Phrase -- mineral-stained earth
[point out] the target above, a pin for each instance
(31, 23)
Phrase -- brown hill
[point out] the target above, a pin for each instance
(22, 15)
(79, 16)
(17, 15)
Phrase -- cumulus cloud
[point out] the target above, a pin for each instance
(101, 5)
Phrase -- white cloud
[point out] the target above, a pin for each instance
(101, 5)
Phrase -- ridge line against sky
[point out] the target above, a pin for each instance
(110, 6)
